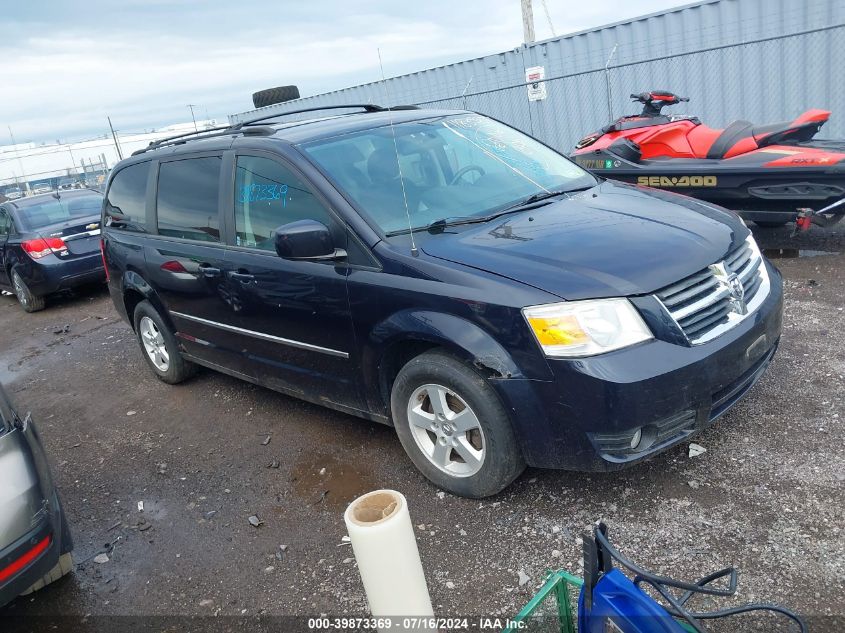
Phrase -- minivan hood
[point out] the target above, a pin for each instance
(612, 240)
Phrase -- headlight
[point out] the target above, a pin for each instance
(586, 328)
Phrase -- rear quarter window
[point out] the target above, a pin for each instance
(188, 198)
(126, 199)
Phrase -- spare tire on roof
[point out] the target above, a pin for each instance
(264, 98)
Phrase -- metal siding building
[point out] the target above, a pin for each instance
(760, 60)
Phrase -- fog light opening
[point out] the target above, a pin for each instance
(636, 438)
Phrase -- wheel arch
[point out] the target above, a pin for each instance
(136, 289)
(405, 335)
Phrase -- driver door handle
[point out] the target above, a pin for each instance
(207, 270)
(239, 276)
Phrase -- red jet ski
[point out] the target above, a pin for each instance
(771, 174)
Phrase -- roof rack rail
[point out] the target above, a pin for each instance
(367, 107)
(223, 130)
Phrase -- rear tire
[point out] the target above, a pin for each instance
(272, 96)
(29, 302)
(62, 568)
(769, 224)
(159, 346)
(453, 426)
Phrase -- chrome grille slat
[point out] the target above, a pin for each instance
(704, 325)
(720, 307)
(742, 253)
(749, 270)
(705, 304)
(720, 293)
(752, 288)
(691, 293)
(741, 266)
(682, 285)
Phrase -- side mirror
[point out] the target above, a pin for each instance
(306, 240)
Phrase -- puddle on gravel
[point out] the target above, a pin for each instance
(14, 368)
(339, 484)
(793, 253)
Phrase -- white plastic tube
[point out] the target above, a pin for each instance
(385, 547)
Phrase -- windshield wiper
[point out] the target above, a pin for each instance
(540, 196)
(438, 226)
(530, 202)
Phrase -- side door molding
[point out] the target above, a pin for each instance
(263, 336)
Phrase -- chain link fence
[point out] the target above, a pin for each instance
(762, 81)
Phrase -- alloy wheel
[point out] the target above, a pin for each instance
(154, 345)
(20, 290)
(446, 430)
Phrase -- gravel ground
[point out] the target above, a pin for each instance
(767, 496)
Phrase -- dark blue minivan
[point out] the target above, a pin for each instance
(443, 273)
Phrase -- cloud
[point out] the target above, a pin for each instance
(142, 62)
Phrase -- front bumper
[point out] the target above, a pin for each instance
(586, 417)
(51, 274)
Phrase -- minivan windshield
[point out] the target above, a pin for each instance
(446, 169)
(55, 209)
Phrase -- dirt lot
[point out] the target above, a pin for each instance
(767, 495)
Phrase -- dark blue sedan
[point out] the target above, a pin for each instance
(50, 243)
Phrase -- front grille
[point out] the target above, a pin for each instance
(707, 303)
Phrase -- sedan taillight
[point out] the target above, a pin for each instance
(42, 247)
(25, 559)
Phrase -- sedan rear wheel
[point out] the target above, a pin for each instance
(29, 302)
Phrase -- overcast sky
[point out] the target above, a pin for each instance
(66, 64)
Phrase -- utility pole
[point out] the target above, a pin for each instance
(528, 22)
(193, 118)
(114, 136)
(18, 157)
(72, 160)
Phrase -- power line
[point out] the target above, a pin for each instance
(549, 17)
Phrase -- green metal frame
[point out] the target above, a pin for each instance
(559, 584)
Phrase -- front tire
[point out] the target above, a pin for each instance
(159, 346)
(453, 426)
(29, 302)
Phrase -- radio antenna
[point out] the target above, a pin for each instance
(414, 250)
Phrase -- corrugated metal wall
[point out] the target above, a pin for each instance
(760, 60)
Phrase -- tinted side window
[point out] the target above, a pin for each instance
(187, 200)
(5, 222)
(126, 200)
(268, 195)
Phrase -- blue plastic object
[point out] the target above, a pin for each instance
(619, 606)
